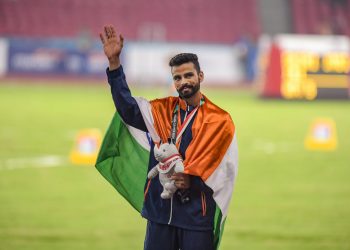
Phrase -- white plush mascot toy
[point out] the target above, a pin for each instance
(170, 161)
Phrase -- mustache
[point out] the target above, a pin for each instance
(185, 86)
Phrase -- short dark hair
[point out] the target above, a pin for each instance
(182, 58)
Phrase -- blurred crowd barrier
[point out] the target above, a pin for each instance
(51, 57)
(3, 56)
(146, 63)
(287, 66)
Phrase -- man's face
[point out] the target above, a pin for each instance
(186, 79)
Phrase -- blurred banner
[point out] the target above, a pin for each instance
(308, 67)
(148, 63)
(41, 57)
(145, 63)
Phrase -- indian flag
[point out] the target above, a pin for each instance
(212, 154)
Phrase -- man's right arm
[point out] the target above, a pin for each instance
(124, 102)
(126, 105)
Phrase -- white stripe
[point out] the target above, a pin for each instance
(140, 136)
(222, 180)
(146, 111)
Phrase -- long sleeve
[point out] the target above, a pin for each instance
(124, 102)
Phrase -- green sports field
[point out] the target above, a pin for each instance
(285, 198)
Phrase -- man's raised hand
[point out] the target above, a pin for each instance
(112, 46)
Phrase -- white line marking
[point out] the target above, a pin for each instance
(45, 161)
(269, 147)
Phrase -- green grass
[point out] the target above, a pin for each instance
(285, 197)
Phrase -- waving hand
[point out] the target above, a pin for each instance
(112, 46)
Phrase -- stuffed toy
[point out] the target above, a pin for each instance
(170, 162)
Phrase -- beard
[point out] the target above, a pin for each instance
(191, 91)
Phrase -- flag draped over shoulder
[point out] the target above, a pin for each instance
(211, 155)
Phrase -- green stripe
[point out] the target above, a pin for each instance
(123, 162)
(218, 230)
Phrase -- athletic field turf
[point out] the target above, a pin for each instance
(285, 197)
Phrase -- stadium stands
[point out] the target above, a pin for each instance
(181, 20)
(197, 20)
(321, 16)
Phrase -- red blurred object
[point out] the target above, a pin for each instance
(272, 86)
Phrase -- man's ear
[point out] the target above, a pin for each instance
(201, 76)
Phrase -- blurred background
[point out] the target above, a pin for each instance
(280, 67)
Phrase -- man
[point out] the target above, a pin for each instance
(205, 136)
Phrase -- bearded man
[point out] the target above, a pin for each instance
(204, 134)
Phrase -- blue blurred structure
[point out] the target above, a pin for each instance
(54, 57)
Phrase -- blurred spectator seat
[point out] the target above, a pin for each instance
(182, 20)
